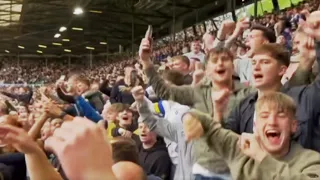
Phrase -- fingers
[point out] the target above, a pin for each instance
(53, 144)
(4, 129)
(245, 140)
(11, 138)
(192, 127)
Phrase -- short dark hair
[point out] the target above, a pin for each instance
(184, 59)
(124, 149)
(266, 32)
(217, 51)
(174, 77)
(276, 51)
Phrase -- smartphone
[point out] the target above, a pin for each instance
(63, 77)
(10, 106)
(149, 32)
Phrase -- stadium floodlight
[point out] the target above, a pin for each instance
(77, 29)
(96, 11)
(78, 11)
(67, 50)
(62, 29)
(21, 47)
(90, 48)
(7, 51)
(40, 52)
(57, 35)
(56, 44)
(42, 46)
(66, 40)
(103, 43)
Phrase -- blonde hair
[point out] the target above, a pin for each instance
(277, 100)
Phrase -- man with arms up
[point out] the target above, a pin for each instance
(270, 62)
(269, 153)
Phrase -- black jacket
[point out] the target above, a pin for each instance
(105, 89)
(156, 160)
(121, 94)
(307, 98)
(25, 98)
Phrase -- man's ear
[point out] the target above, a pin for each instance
(294, 126)
(282, 70)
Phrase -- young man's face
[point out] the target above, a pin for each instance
(195, 46)
(146, 136)
(274, 127)
(266, 71)
(254, 40)
(220, 68)
(179, 65)
(125, 118)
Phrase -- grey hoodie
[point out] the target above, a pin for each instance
(173, 132)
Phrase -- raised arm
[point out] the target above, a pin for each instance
(162, 89)
(161, 126)
(221, 141)
(169, 92)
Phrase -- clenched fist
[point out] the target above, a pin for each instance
(192, 127)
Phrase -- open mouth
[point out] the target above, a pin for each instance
(125, 118)
(258, 76)
(143, 135)
(273, 136)
(221, 72)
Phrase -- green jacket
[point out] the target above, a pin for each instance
(298, 164)
(198, 97)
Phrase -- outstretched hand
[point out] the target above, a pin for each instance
(17, 138)
(83, 149)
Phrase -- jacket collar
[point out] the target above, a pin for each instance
(237, 85)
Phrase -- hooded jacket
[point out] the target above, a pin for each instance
(156, 160)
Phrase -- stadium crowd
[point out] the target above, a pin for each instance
(218, 106)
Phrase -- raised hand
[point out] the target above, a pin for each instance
(241, 26)
(250, 146)
(227, 27)
(17, 138)
(220, 99)
(192, 127)
(312, 25)
(138, 93)
(145, 49)
(197, 76)
(52, 109)
(83, 150)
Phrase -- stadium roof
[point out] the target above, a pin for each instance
(29, 26)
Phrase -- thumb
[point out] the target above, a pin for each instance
(257, 137)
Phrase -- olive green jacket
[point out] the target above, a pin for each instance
(199, 97)
(298, 164)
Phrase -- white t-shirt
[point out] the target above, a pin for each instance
(199, 56)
